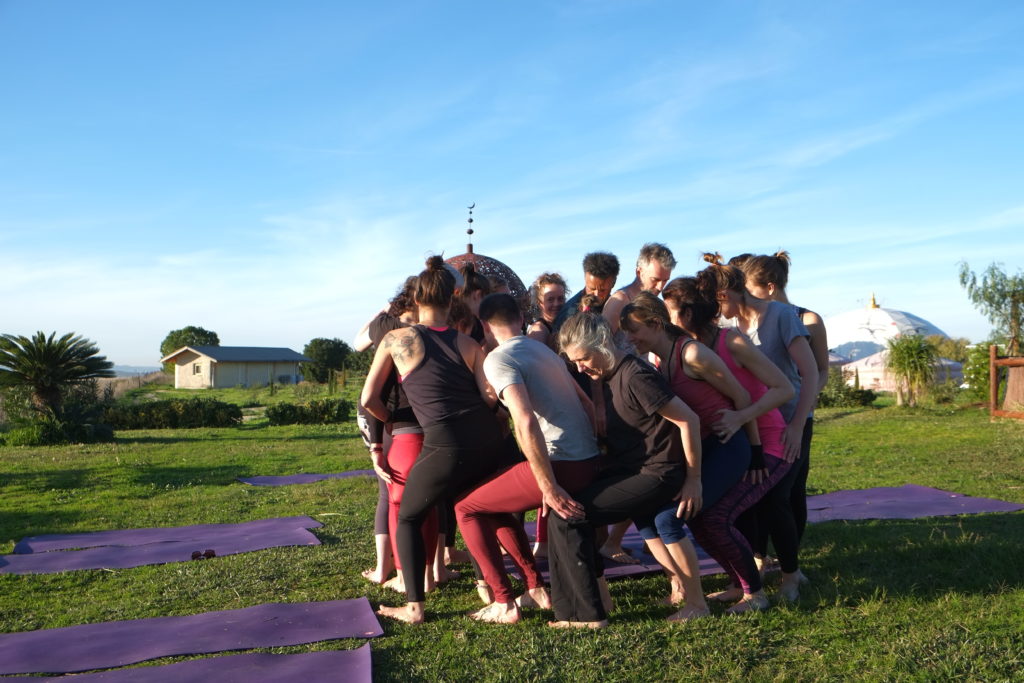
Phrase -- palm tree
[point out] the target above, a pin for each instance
(46, 365)
(911, 361)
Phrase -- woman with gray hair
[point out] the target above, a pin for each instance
(654, 456)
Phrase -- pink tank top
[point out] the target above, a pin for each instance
(701, 396)
(770, 425)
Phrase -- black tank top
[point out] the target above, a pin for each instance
(441, 388)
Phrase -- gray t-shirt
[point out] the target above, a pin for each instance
(777, 328)
(521, 360)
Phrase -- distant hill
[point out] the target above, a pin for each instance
(132, 370)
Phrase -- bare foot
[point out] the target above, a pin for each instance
(395, 583)
(456, 556)
(691, 612)
(618, 554)
(497, 613)
(428, 581)
(374, 576)
(674, 598)
(411, 613)
(534, 598)
(789, 588)
(755, 602)
(730, 594)
(578, 624)
(444, 575)
(484, 591)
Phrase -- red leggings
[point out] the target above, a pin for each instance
(488, 515)
(405, 448)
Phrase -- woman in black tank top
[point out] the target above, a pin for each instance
(441, 371)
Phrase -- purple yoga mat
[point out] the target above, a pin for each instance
(119, 643)
(302, 478)
(909, 501)
(92, 539)
(124, 557)
(334, 665)
(615, 570)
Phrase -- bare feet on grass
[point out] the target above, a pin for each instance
(534, 598)
(444, 575)
(578, 624)
(618, 554)
(484, 591)
(395, 583)
(411, 613)
(690, 612)
(498, 613)
(730, 594)
(375, 575)
(754, 602)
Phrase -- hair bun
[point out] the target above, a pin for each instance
(783, 255)
(435, 263)
(714, 258)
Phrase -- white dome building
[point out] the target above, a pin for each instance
(865, 331)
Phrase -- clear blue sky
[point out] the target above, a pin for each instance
(272, 170)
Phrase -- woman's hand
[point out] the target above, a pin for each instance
(791, 439)
(729, 422)
(380, 463)
(691, 499)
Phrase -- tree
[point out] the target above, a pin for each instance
(327, 355)
(1000, 297)
(47, 366)
(186, 336)
(911, 361)
(948, 347)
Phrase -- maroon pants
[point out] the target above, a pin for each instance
(488, 515)
(405, 448)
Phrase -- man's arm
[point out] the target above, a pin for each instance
(531, 441)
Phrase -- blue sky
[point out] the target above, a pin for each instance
(271, 171)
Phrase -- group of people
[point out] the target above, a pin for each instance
(667, 404)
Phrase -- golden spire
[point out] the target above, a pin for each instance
(873, 304)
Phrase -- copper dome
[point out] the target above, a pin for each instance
(490, 267)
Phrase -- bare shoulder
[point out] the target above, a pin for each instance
(404, 345)
(811, 318)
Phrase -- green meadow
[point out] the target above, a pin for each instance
(938, 598)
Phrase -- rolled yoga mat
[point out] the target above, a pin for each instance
(286, 480)
(352, 666)
(119, 643)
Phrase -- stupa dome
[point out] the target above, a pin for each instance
(864, 331)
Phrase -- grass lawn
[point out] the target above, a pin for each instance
(926, 599)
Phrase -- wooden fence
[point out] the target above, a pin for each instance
(996, 362)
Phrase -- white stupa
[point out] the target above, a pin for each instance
(864, 331)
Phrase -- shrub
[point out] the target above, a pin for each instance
(838, 394)
(174, 413)
(945, 392)
(50, 431)
(321, 411)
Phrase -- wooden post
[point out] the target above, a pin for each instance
(993, 383)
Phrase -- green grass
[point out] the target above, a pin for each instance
(928, 599)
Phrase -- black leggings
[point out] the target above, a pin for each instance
(454, 457)
(573, 560)
(782, 513)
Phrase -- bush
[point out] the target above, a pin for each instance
(838, 394)
(174, 413)
(944, 393)
(321, 411)
(49, 431)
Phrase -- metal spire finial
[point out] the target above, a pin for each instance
(469, 230)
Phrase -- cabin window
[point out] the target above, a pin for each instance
(197, 368)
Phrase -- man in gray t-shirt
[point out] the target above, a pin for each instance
(553, 422)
